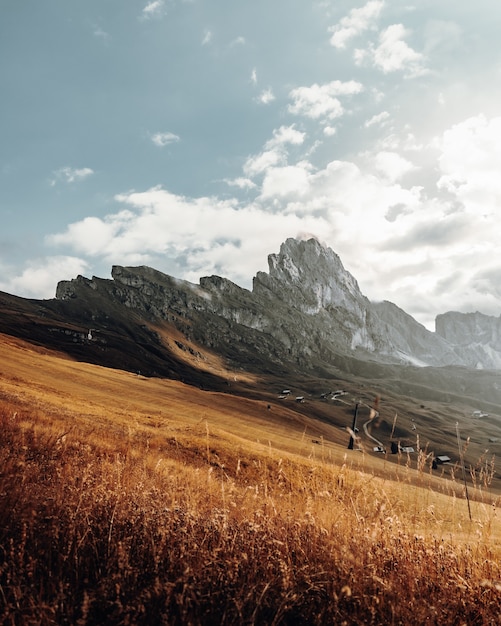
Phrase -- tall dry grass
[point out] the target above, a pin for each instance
(133, 527)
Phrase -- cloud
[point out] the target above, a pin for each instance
(70, 175)
(153, 9)
(377, 120)
(37, 278)
(393, 54)
(291, 181)
(241, 183)
(488, 280)
(99, 33)
(259, 163)
(266, 96)
(286, 135)
(395, 211)
(446, 230)
(392, 165)
(470, 162)
(274, 152)
(355, 23)
(91, 235)
(322, 101)
(207, 38)
(254, 77)
(214, 236)
(164, 139)
(238, 41)
(440, 244)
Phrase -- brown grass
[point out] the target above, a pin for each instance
(133, 501)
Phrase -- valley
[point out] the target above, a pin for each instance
(178, 454)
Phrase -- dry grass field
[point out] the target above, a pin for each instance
(133, 500)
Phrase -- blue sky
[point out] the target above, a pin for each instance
(196, 136)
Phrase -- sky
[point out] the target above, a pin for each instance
(195, 136)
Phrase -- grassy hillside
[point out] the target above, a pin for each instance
(128, 500)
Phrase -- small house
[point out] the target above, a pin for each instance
(442, 458)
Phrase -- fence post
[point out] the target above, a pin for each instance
(353, 428)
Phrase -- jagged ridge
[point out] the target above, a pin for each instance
(307, 307)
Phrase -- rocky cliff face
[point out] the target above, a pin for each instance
(310, 284)
(310, 280)
(476, 337)
(307, 309)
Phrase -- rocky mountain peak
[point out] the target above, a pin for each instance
(311, 277)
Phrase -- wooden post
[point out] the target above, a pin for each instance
(461, 458)
(353, 428)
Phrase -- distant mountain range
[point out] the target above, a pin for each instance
(306, 314)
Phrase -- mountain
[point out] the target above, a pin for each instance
(311, 281)
(306, 308)
(476, 337)
(305, 315)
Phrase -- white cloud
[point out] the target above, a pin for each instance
(164, 139)
(274, 152)
(286, 135)
(392, 165)
(207, 38)
(153, 9)
(355, 23)
(241, 183)
(91, 235)
(214, 236)
(70, 175)
(470, 163)
(401, 141)
(377, 120)
(322, 101)
(291, 181)
(393, 53)
(259, 163)
(37, 278)
(254, 77)
(266, 96)
(329, 131)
